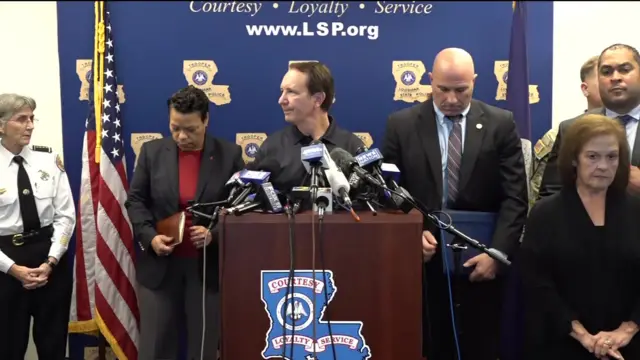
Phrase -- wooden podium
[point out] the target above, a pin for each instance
(373, 283)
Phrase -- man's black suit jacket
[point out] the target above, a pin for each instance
(551, 182)
(154, 195)
(492, 173)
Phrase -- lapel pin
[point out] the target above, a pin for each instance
(478, 126)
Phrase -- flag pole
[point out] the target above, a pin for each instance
(98, 71)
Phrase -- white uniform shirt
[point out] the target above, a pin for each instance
(52, 193)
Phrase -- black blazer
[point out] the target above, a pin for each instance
(154, 195)
(573, 270)
(493, 176)
(551, 182)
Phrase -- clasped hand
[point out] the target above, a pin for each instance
(606, 344)
(31, 278)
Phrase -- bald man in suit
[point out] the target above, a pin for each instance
(458, 153)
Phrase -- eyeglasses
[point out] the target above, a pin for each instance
(23, 120)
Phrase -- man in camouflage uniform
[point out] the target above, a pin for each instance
(589, 87)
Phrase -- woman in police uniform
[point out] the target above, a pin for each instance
(37, 218)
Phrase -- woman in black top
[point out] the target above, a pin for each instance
(581, 252)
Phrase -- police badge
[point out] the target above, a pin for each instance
(250, 143)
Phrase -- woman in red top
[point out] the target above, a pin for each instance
(171, 172)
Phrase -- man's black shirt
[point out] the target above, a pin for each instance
(284, 146)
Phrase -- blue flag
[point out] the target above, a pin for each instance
(518, 76)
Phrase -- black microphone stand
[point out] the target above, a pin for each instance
(313, 168)
(213, 218)
(493, 253)
(193, 204)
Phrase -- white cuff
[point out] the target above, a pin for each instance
(5, 262)
(56, 251)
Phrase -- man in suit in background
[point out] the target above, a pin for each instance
(458, 153)
(589, 88)
(170, 173)
(619, 86)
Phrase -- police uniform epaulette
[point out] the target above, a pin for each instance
(41, 148)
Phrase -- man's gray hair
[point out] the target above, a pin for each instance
(10, 104)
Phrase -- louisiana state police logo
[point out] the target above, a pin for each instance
(294, 318)
(250, 143)
(199, 77)
(408, 78)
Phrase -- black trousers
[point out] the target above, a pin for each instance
(477, 315)
(48, 305)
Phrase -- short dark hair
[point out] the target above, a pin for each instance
(588, 67)
(582, 131)
(634, 51)
(188, 100)
(319, 79)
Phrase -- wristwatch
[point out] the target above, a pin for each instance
(50, 263)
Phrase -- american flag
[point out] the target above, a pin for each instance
(518, 77)
(104, 294)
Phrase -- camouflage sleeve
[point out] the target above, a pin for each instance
(541, 150)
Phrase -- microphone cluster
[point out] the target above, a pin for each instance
(337, 180)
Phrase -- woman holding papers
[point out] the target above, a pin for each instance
(581, 252)
(170, 174)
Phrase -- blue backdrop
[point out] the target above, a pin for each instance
(154, 39)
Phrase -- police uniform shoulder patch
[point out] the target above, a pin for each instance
(59, 163)
(41, 148)
(545, 144)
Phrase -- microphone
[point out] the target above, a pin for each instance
(354, 181)
(233, 185)
(314, 158)
(391, 172)
(339, 184)
(348, 164)
(370, 160)
(253, 179)
(266, 198)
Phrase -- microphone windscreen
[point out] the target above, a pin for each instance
(342, 159)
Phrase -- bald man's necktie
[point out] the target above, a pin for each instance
(28, 208)
(625, 119)
(454, 158)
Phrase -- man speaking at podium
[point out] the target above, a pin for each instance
(457, 153)
(307, 95)
(170, 173)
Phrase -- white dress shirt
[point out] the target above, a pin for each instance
(52, 193)
(632, 126)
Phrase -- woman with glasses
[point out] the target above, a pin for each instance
(37, 218)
